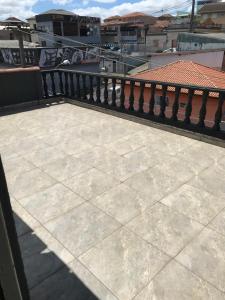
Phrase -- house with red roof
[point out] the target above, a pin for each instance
(185, 73)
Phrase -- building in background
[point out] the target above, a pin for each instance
(53, 26)
(212, 11)
(130, 29)
(201, 3)
(196, 41)
(8, 26)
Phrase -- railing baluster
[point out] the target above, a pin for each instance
(188, 111)
(219, 112)
(60, 83)
(113, 92)
(202, 112)
(141, 98)
(163, 102)
(78, 86)
(122, 94)
(105, 91)
(131, 98)
(84, 91)
(152, 100)
(53, 83)
(72, 91)
(98, 90)
(45, 86)
(91, 97)
(66, 84)
(175, 107)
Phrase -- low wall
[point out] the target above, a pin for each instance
(19, 85)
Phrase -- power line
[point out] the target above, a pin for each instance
(102, 56)
(110, 52)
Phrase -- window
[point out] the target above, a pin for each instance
(70, 29)
(57, 28)
(156, 43)
(43, 43)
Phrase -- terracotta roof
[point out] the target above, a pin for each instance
(219, 21)
(134, 14)
(186, 72)
(213, 7)
(161, 23)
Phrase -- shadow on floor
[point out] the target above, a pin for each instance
(47, 276)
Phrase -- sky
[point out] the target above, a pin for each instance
(99, 8)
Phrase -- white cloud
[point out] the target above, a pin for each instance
(61, 2)
(99, 1)
(17, 8)
(146, 6)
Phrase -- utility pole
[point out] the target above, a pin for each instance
(192, 16)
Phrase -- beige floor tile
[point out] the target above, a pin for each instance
(176, 282)
(121, 202)
(124, 263)
(218, 223)
(82, 228)
(28, 183)
(64, 168)
(205, 256)
(51, 203)
(91, 183)
(166, 229)
(195, 203)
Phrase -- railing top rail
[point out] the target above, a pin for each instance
(183, 86)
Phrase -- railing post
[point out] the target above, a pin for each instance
(131, 98)
(188, 111)
(72, 91)
(176, 104)
(141, 98)
(45, 85)
(66, 84)
(105, 91)
(53, 83)
(122, 95)
(163, 102)
(78, 86)
(152, 100)
(84, 97)
(98, 90)
(61, 83)
(218, 115)
(202, 112)
(91, 97)
(113, 92)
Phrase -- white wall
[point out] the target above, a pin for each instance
(210, 59)
(188, 46)
(156, 43)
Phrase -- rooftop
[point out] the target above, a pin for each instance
(186, 72)
(107, 208)
(58, 12)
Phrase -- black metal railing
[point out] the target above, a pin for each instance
(138, 97)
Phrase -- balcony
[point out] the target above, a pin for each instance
(110, 205)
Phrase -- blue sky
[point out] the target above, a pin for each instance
(101, 8)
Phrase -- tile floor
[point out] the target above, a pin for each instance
(109, 209)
